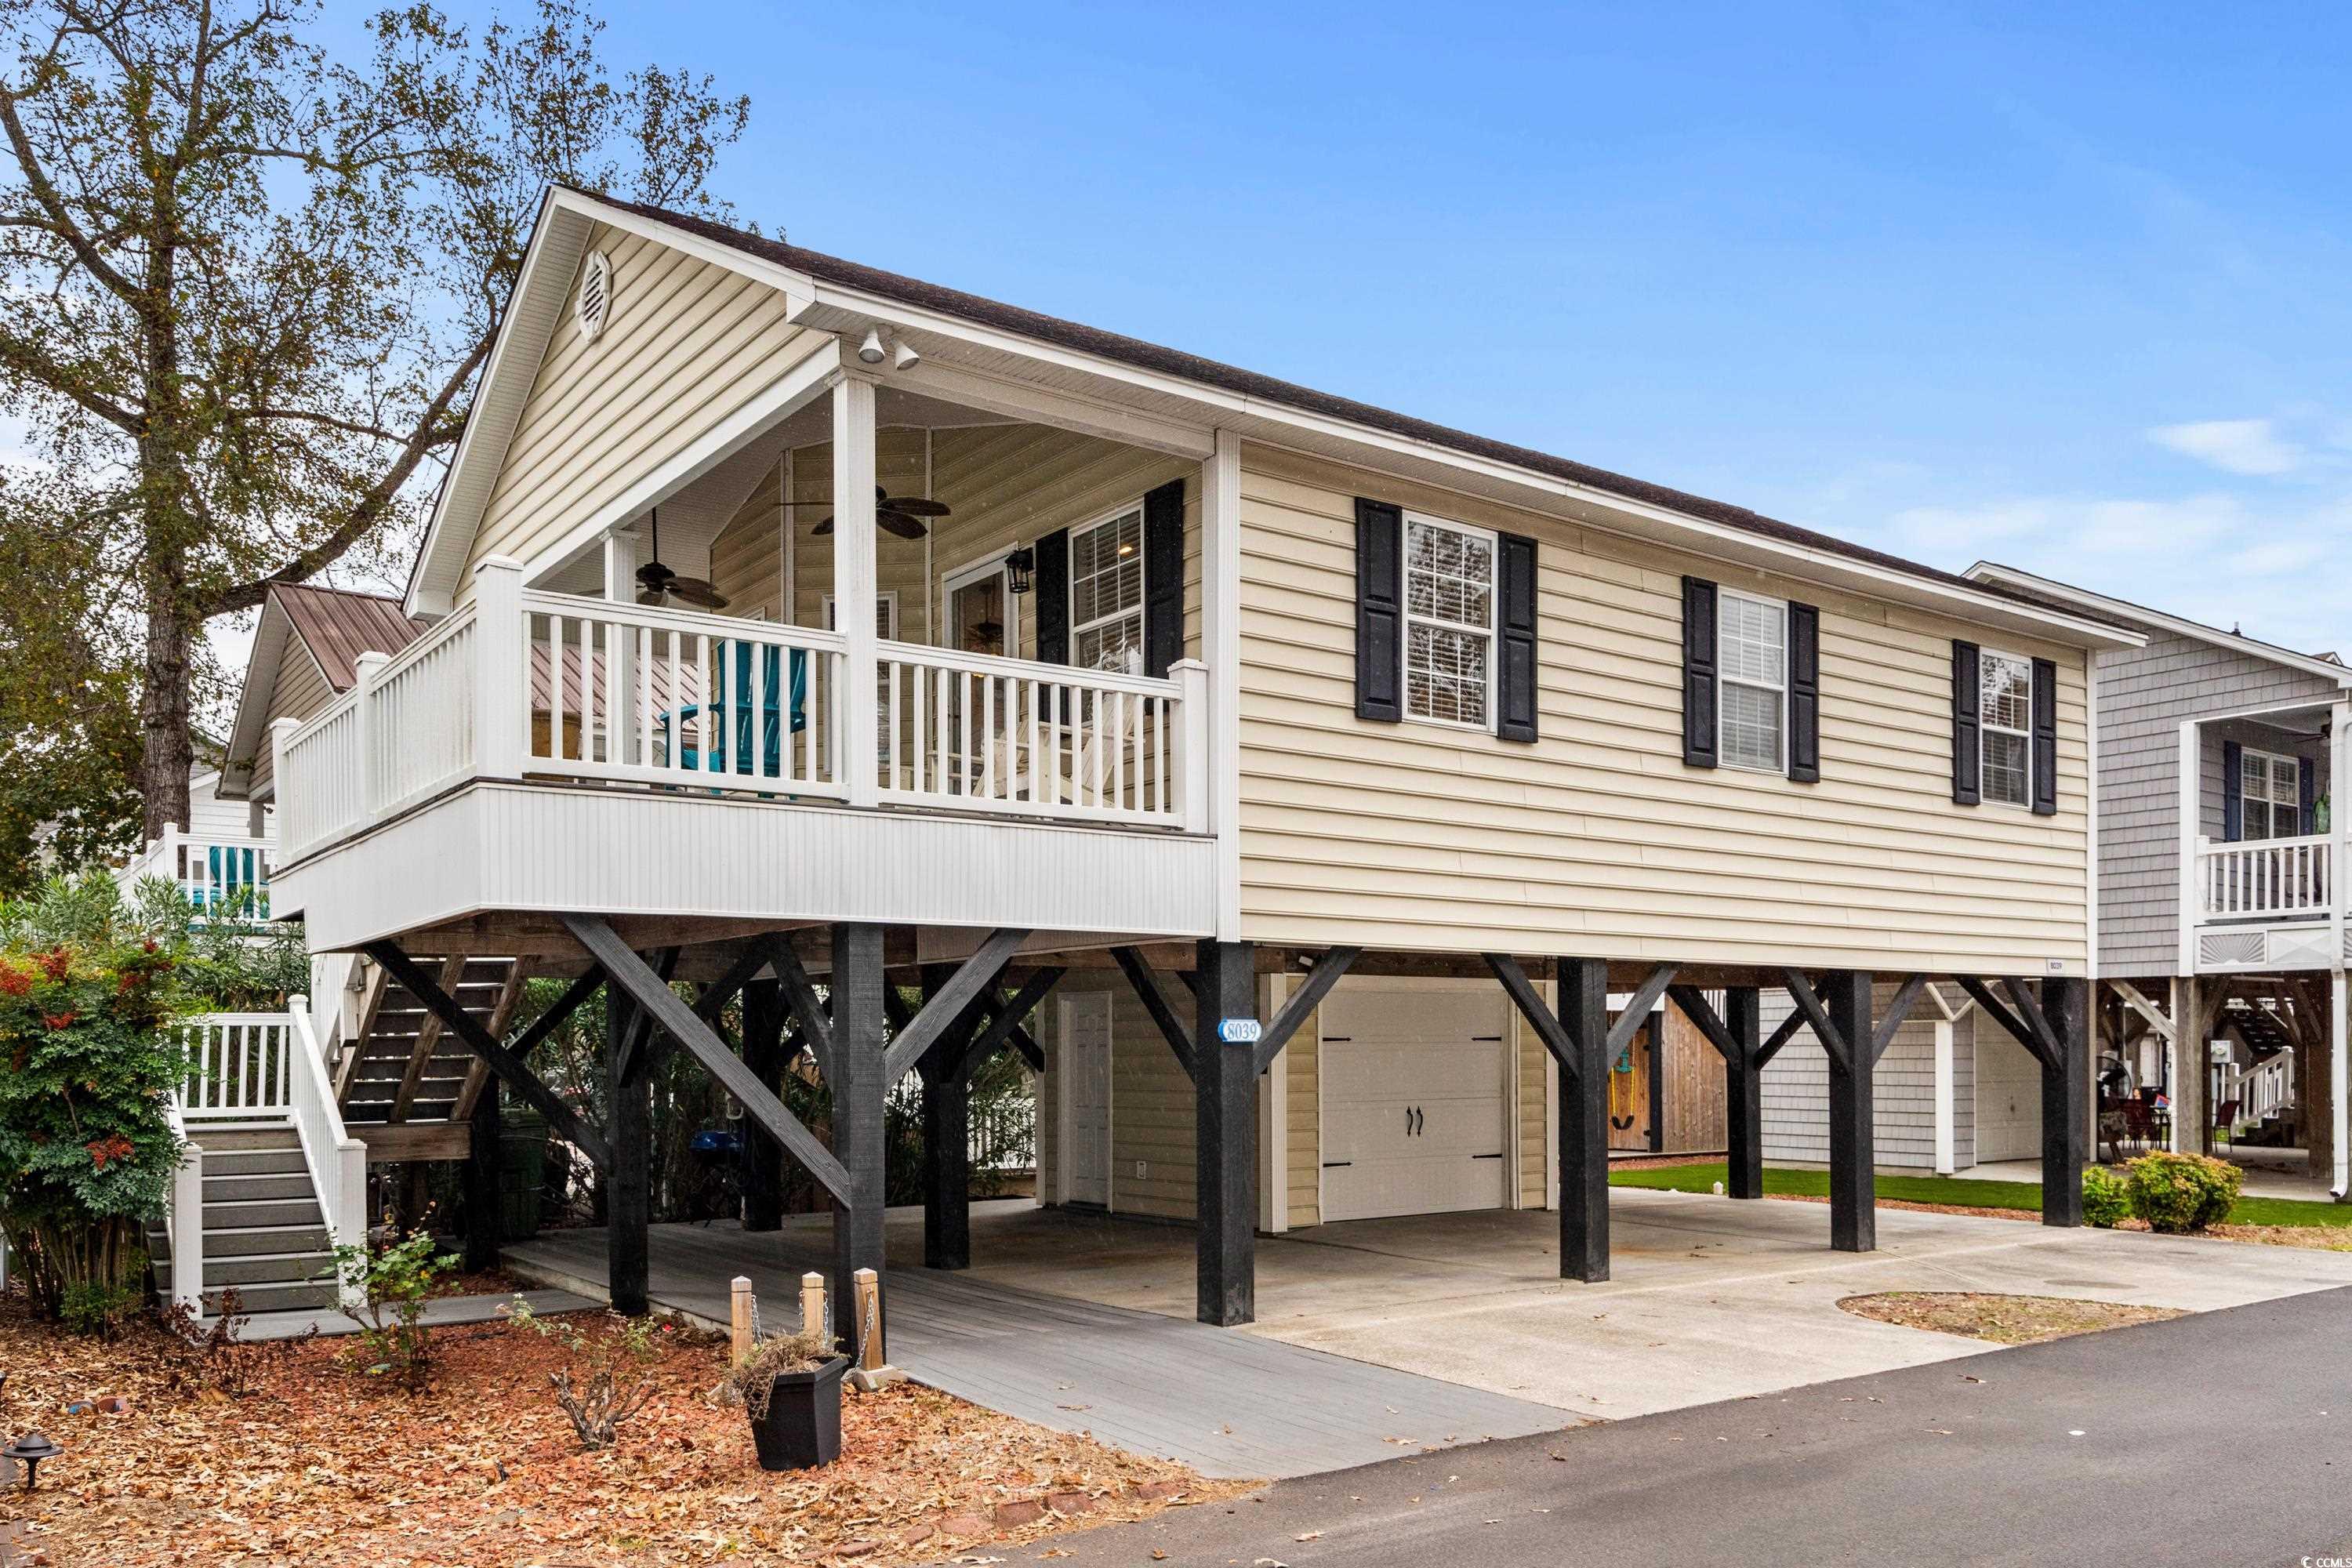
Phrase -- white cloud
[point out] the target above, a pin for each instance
(2234, 446)
(2106, 527)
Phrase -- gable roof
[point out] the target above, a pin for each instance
(558, 241)
(337, 625)
(330, 627)
(2017, 580)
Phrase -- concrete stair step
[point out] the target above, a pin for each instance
(248, 1188)
(274, 1297)
(220, 1138)
(258, 1268)
(260, 1214)
(255, 1162)
(256, 1241)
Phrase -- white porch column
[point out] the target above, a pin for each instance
(1221, 647)
(2189, 781)
(623, 725)
(366, 669)
(501, 672)
(2339, 829)
(854, 586)
(2340, 1060)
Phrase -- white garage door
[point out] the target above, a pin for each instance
(1413, 1103)
(2009, 1097)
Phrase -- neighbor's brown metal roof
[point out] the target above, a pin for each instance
(1250, 383)
(337, 625)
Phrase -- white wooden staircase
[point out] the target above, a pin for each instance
(271, 1184)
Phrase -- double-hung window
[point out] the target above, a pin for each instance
(1449, 623)
(2271, 791)
(1751, 649)
(1106, 594)
(2005, 711)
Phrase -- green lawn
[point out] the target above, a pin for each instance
(1958, 1190)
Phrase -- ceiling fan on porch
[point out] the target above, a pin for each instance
(901, 515)
(657, 584)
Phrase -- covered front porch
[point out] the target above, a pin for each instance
(2260, 847)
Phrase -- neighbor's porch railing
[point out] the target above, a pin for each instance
(2266, 878)
(524, 683)
(218, 874)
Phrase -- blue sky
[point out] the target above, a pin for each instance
(2064, 286)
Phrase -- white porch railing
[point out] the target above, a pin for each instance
(337, 1161)
(2266, 877)
(979, 732)
(524, 683)
(184, 1217)
(218, 874)
(240, 1067)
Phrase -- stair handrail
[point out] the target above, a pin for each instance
(183, 1216)
(337, 1161)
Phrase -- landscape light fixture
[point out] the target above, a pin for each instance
(30, 1450)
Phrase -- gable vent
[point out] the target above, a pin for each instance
(595, 301)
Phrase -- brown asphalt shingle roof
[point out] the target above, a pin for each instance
(337, 625)
(1249, 384)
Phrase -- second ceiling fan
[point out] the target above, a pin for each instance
(901, 515)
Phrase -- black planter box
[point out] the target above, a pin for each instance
(803, 1428)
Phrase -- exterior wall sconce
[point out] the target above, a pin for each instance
(1018, 566)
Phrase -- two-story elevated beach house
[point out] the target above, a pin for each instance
(2222, 922)
(1327, 798)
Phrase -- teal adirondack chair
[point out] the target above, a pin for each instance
(735, 746)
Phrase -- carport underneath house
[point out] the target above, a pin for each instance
(855, 1005)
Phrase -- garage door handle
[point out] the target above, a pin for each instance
(1494, 1156)
(1335, 1164)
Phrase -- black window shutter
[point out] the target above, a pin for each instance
(1515, 660)
(1051, 585)
(1967, 692)
(2233, 792)
(1699, 747)
(2307, 782)
(2045, 738)
(1804, 693)
(1380, 611)
(1163, 577)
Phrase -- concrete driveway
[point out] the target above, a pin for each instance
(1711, 1300)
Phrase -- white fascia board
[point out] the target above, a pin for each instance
(836, 307)
(2237, 642)
(803, 384)
(267, 660)
(548, 263)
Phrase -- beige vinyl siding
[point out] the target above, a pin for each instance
(1597, 840)
(688, 344)
(1302, 1088)
(1533, 1112)
(1005, 484)
(300, 693)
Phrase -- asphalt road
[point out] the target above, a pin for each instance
(2215, 1440)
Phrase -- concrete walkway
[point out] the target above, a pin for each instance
(1377, 1336)
(1227, 1404)
(442, 1312)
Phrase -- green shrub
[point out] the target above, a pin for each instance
(88, 1062)
(2107, 1197)
(2181, 1193)
(385, 1289)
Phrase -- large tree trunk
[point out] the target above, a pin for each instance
(166, 748)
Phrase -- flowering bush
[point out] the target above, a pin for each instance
(87, 1152)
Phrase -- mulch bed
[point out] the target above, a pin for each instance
(2002, 1320)
(323, 1466)
(2028, 1215)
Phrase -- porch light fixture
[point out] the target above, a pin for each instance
(870, 351)
(1018, 564)
(907, 356)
